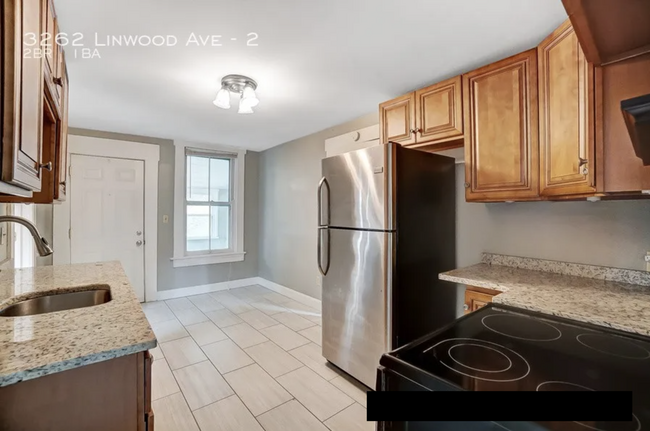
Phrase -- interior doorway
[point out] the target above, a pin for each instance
(128, 172)
(107, 214)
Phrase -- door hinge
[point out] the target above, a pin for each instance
(69, 233)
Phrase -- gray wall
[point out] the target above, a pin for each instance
(289, 175)
(608, 233)
(614, 233)
(174, 278)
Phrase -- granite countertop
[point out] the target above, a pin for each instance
(34, 346)
(611, 297)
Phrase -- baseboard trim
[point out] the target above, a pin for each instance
(293, 294)
(164, 295)
(205, 288)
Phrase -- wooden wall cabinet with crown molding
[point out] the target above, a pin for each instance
(35, 105)
(566, 116)
(397, 120)
(22, 94)
(501, 130)
(544, 124)
(430, 118)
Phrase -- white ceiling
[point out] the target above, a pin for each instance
(319, 63)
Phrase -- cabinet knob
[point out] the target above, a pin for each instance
(58, 81)
(414, 131)
(583, 162)
(62, 183)
(47, 166)
(466, 185)
(465, 307)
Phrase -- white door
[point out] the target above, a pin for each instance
(107, 214)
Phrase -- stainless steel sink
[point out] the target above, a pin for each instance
(58, 302)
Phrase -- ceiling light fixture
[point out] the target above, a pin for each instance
(238, 84)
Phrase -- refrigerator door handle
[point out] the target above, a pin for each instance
(323, 182)
(319, 251)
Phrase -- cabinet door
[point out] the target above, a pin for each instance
(51, 53)
(61, 176)
(476, 300)
(397, 120)
(566, 112)
(23, 94)
(439, 111)
(501, 130)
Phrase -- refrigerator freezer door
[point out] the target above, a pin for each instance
(357, 301)
(357, 189)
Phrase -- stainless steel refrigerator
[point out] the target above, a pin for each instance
(386, 217)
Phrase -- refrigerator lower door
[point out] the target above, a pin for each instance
(357, 300)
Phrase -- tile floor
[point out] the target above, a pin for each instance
(247, 359)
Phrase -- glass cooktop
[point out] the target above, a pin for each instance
(501, 349)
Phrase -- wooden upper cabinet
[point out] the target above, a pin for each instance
(62, 149)
(610, 31)
(566, 115)
(501, 130)
(623, 170)
(397, 120)
(53, 54)
(439, 111)
(22, 77)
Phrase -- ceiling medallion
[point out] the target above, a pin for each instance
(239, 84)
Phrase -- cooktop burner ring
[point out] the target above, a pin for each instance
(637, 422)
(477, 369)
(550, 382)
(645, 353)
(635, 419)
(521, 359)
(556, 333)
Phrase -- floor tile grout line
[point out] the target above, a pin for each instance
(254, 362)
(184, 397)
(278, 383)
(323, 421)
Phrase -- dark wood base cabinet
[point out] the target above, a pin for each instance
(113, 395)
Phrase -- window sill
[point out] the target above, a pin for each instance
(207, 259)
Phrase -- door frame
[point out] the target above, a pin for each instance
(116, 149)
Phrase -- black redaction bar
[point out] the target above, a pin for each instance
(500, 406)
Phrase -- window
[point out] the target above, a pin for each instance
(208, 228)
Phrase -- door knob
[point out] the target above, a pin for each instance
(138, 243)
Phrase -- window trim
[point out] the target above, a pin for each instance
(236, 253)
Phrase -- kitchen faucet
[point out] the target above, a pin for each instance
(42, 245)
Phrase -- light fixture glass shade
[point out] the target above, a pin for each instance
(248, 97)
(244, 108)
(223, 99)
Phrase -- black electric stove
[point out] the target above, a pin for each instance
(501, 348)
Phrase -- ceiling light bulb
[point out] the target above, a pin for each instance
(244, 108)
(223, 99)
(248, 97)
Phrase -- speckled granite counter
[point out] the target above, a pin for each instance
(35, 346)
(611, 297)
